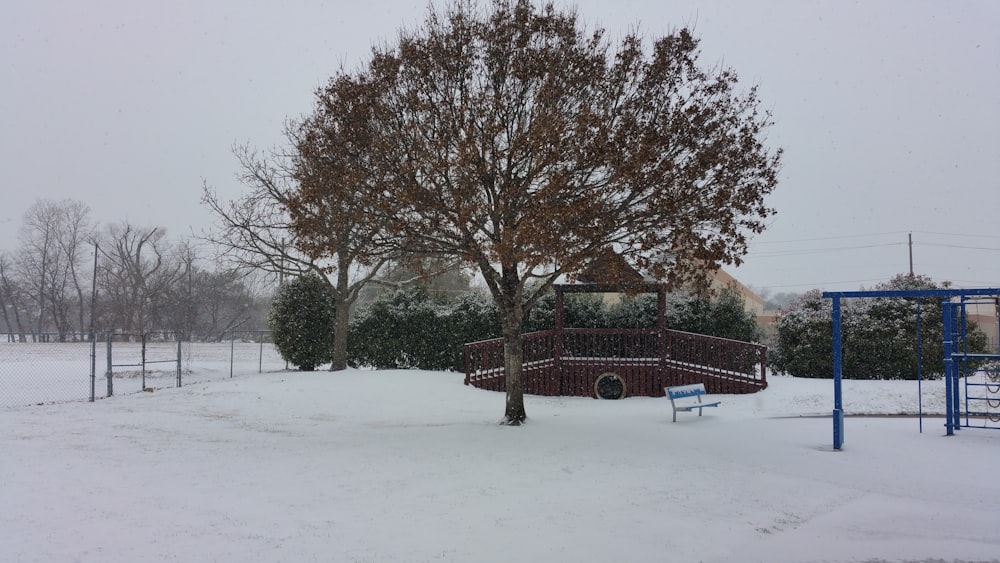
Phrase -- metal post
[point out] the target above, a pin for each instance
(93, 335)
(108, 373)
(920, 392)
(178, 361)
(838, 398)
(260, 353)
(142, 369)
(955, 395)
(93, 366)
(962, 369)
(946, 318)
(232, 346)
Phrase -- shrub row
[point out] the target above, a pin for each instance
(879, 336)
(410, 329)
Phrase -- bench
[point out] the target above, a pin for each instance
(683, 392)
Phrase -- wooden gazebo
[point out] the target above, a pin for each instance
(614, 363)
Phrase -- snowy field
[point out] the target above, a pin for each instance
(34, 373)
(373, 466)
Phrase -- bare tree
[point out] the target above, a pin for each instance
(514, 140)
(11, 302)
(206, 304)
(256, 230)
(76, 232)
(137, 270)
(50, 259)
(38, 256)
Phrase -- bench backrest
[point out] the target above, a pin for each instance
(682, 391)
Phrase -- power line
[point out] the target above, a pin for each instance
(793, 252)
(958, 246)
(870, 235)
(839, 237)
(816, 285)
(826, 284)
(780, 253)
(976, 283)
(956, 235)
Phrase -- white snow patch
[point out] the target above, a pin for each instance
(408, 466)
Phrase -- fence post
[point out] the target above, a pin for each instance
(260, 353)
(93, 365)
(232, 345)
(468, 363)
(108, 372)
(142, 368)
(178, 361)
(763, 365)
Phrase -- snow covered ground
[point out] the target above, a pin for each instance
(33, 373)
(374, 466)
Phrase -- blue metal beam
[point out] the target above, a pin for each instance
(946, 318)
(838, 398)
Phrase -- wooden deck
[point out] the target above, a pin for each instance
(569, 361)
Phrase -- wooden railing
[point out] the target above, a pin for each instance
(723, 365)
(568, 362)
(484, 360)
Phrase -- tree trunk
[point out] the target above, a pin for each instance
(513, 357)
(339, 359)
(342, 315)
(41, 292)
(6, 319)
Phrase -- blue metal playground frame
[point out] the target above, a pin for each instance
(952, 357)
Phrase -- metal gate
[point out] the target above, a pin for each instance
(132, 357)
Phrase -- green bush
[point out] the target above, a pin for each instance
(805, 341)
(409, 329)
(581, 310)
(724, 315)
(879, 335)
(302, 322)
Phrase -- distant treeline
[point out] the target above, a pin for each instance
(50, 289)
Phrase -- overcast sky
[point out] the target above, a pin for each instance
(889, 113)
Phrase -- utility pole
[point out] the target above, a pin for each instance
(911, 254)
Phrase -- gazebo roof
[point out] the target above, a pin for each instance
(609, 272)
(639, 287)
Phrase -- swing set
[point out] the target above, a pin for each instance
(972, 380)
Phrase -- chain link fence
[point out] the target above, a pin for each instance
(40, 369)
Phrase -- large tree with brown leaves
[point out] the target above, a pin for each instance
(306, 213)
(511, 138)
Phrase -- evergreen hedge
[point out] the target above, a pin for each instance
(410, 329)
(879, 335)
